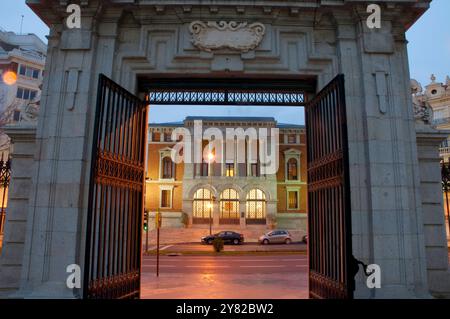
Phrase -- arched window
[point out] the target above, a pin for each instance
(256, 206)
(229, 205)
(167, 167)
(202, 206)
(292, 169)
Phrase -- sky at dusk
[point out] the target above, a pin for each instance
(428, 50)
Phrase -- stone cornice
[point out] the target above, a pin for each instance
(404, 11)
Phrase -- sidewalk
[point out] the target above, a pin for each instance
(170, 236)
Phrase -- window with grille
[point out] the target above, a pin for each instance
(256, 204)
(202, 205)
(292, 169)
(292, 199)
(229, 204)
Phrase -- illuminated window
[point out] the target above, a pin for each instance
(256, 204)
(202, 205)
(230, 169)
(229, 204)
(292, 199)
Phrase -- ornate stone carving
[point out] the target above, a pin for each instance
(29, 113)
(226, 35)
(422, 111)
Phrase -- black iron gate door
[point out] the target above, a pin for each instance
(329, 223)
(115, 210)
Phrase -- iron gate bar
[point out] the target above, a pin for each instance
(5, 179)
(331, 272)
(115, 207)
(445, 176)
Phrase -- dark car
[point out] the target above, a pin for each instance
(228, 237)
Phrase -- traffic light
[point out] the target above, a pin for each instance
(145, 221)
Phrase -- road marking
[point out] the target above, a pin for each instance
(206, 266)
(165, 247)
(261, 266)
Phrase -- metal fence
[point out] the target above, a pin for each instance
(5, 177)
(445, 175)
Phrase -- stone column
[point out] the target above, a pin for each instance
(216, 212)
(23, 140)
(387, 227)
(57, 211)
(428, 141)
(242, 207)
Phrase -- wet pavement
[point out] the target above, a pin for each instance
(222, 277)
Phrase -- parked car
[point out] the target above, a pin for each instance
(276, 237)
(228, 237)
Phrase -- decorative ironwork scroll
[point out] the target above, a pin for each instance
(116, 196)
(331, 270)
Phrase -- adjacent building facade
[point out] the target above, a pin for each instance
(24, 55)
(231, 191)
(436, 97)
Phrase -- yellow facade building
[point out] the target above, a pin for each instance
(231, 192)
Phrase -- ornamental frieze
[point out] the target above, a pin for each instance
(239, 36)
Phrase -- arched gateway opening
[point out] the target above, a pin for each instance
(226, 53)
(116, 195)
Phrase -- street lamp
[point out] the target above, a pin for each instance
(9, 78)
(211, 204)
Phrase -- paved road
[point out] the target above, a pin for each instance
(226, 264)
(242, 277)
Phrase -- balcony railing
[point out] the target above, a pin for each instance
(444, 150)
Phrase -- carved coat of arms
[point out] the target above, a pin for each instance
(232, 35)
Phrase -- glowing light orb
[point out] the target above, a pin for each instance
(10, 78)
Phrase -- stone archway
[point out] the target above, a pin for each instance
(300, 40)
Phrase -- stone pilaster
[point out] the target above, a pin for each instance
(428, 141)
(22, 156)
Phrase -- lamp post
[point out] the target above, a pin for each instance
(211, 204)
